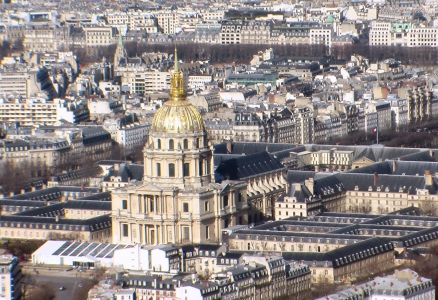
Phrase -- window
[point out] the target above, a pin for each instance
(225, 200)
(207, 232)
(158, 169)
(171, 170)
(201, 166)
(158, 144)
(185, 207)
(240, 197)
(206, 206)
(171, 144)
(151, 205)
(186, 233)
(186, 144)
(197, 142)
(124, 204)
(125, 230)
(186, 169)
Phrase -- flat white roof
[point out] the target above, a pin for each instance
(49, 247)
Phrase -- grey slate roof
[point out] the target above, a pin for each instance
(299, 176)
(390, 183)
(373, 153)
(127, 172)
(248, 166)
(249, 147)
(334, 257)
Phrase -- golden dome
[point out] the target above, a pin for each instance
(177, 115)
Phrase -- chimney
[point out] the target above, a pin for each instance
(428, 177)
(56, 219)
(116, 167)
(309, 184)
(229, 147)
(394, 166)
(376, 176)
(23, 191)
(297, 186)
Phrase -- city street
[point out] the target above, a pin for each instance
(57, 277)
(70, 284)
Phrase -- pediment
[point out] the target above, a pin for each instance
(363, 160)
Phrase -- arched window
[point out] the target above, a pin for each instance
(171, 170)
(197, 143)
(158, 144)
(171, 144)
(186, 144)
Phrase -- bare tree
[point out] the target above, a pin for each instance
(429, 208)
(27, 284)
(42, 292)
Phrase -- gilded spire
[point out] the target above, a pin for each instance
(177, 92)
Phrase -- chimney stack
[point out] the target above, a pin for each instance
(229, 147)
(428, 177)
(376, 176)
(309, 183)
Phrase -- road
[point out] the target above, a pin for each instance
(56, 278)
(70, 284)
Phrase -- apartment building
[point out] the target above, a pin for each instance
(99, 35)
(231, 33)
(20, 80)
(255, 32)
(208, 33)
(132, 20)
(168, 22)
(149, 81)
(321, 36)
(212, 15)
(421, 104)
(208, 101)
(127, 131)
(39, 111)
(40, 38)
(403, 284)
(406, 34)
(12, 32)
(399, 111)
(291, 33)
(10, 272)
(198, 81)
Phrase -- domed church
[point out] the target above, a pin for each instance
(177, 201)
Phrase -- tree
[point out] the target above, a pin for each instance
(43, 292)
(429, 208)
(27, 284)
